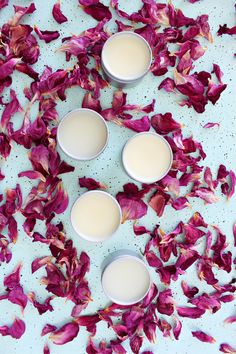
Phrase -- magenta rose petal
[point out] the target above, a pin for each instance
(188, 291)
(177, 328)
(46, 349)
(96, 9)
(203, 337)
(211, 125)
(190, 312)
(10, 109)
(46, 36)
(57, 13)
(138, 125)
(65, 334)
(165, 302)
(48, 329)
(226, 348)
(230, 319)
(16, 330)
(7, 67)
(41, 307)
(3, 3)
(164, 123)
(226, 30)
(90, 183)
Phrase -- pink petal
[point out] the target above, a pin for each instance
(3, 3)
(226, 30)
(40, 262)
(16, 330)
(164, 123)
(65, 334)
(57, 13)
(92, 103)
(165, 302)
(177, 329)
(48, 329)
(46, 36)
(136, 343)
(12, 280)
(230, 319)
(190, 312)
(46, 349)
(91, 184)
(211, 125)
(188, 291)
(159, 201)
(7, 67)
(10, 109)
(42, 308)
(96, 9)
(32, 175)
(140, 230)
(203, 337)
(180, 203)
(226, 348)
(138, 125)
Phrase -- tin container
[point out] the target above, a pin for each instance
(123, 255)
(68, 116)
(119, 81)
(137, 178)
(116, 209)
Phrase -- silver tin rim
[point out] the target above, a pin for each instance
(120, 79)
(140, 179)
(75, 157)
(94, 239)
(124, 254)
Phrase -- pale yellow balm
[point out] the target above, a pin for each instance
(82, 134)
(126, 280)
(147, 157)
(126, 56)
(95, 216)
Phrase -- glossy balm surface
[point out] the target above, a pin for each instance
(82, 134)
(126, 56)
(95, 216)
(147, 157)
(126, 280)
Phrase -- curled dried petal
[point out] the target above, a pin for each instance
(230, 319)
(203, 337)
(16, 330)
(57, 13)
(190, 312)
(65, 334)
(91, 184)
(46, 36)
(226, 348)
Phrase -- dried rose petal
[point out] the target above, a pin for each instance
(57, 14)
(211, 125)
(46, 36)
(230, 319)
(92, 103)
(164, 123)
(46, 349)
(158, 201)
(132, 206)
(16, 330)
(136, 343)
(11, 108)
(40, 262)
(140, 230)
(65, 334)
(48, 329)
(91, 184)
(226, 348)
(96, 9)
(165, 302)
(188, 291)
(3, 3)
(32, 175)
(7, 67)
(190, 312)
(203, 337)
(138, 125)
(226, 30)
(180, 203)
(42, 308)
(177, 329)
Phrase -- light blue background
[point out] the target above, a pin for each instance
(219, 145)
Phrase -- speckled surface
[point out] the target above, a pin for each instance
(219, 144)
